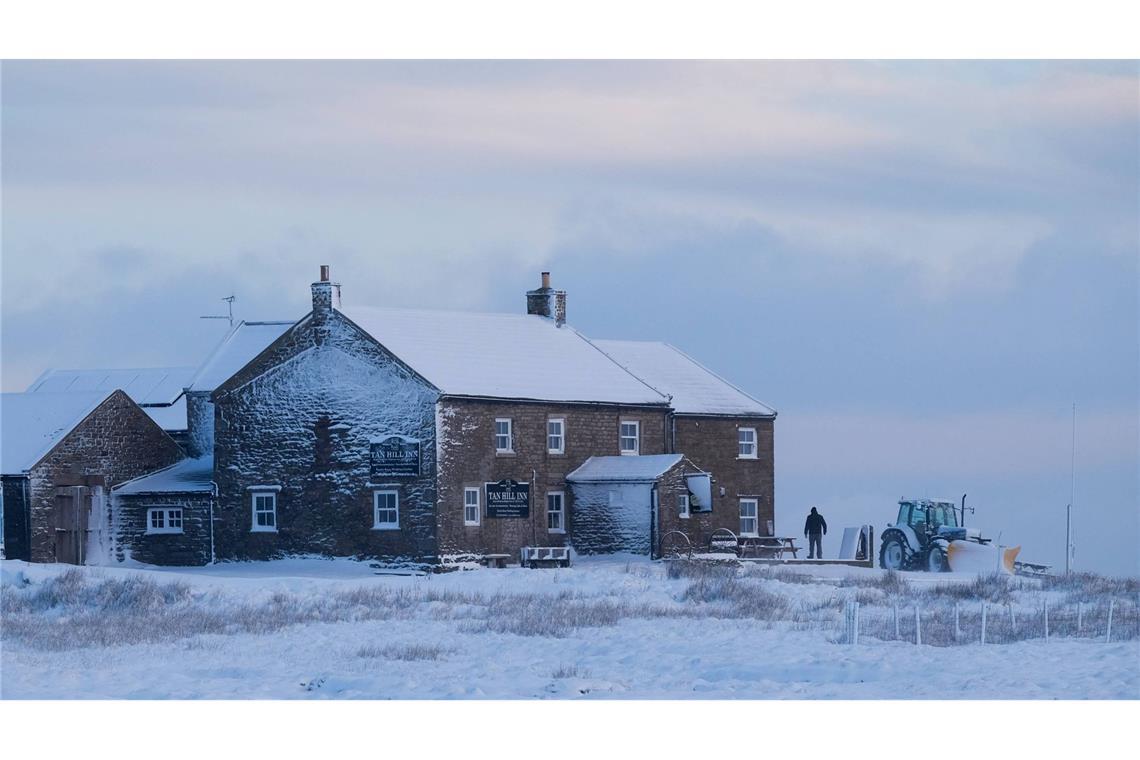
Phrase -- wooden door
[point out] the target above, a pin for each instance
(72, 512)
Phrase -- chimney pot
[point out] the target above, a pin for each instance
(324, 272)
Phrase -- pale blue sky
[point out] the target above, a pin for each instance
(920, 265)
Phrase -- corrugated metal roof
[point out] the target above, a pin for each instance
(639, 469)
(694, 388)
(156, 385)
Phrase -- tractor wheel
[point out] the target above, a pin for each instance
(894, 553)
(936, 561)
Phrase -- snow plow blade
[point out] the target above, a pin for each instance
(971, 557)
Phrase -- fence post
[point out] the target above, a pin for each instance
(896, 608)
(957, 629)
(1012, 620)
(1080, 617)
(1108, 631)
(1046, 602)
(917, 627)
(855, 626)
(983, 622)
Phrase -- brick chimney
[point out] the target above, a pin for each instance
(547, 302)
(326, 294)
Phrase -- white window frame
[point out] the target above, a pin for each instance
(684, 509)
(755, 517)
(467, 504)
(622, 438)
(167, 517)
(376, 524)
(561, 512)
(510, 435)
(561, 448)
(740, 443)
(253, 497)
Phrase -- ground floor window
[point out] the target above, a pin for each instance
(749, 519)
(387, 510)
(264, 512)
(683, 505)
(471, 511)
(164, 520)
(556, 512)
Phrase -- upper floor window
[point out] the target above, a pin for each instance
(164, 520)
(630, 442)
(746, 443)
(556, 512)
(386, 506)
(471, 511)
(556, 436)
(504, 440)
(264, 512)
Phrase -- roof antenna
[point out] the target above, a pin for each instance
(230, 303)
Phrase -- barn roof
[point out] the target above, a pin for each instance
(31, 424)
(694, 388)
(630, 469)
(188, 476)
(157, 385)
(240, 346)
(516, 356)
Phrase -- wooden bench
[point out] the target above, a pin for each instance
(496, 560)
(545, 556)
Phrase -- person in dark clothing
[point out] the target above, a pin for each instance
(814, 530)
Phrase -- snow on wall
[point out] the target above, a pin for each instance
(611, 517)
(303, 419)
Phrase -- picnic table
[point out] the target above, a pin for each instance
(496, 560)
(764, 547)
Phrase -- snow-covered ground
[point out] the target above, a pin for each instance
(606, 628)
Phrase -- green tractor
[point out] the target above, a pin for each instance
(929, 535)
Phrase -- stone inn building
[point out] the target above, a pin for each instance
(434, 436)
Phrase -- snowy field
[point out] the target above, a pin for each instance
(606, 628)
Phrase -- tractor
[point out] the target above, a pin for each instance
(928, 535)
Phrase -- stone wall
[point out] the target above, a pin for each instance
(467, 459)
(190, 547)
(115, 443)
(301, 418)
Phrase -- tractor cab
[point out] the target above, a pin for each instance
(930, 518)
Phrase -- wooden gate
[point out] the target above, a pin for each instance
(72, 515)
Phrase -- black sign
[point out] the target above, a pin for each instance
(395, 457)
(508, 498)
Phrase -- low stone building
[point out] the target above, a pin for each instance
(60, 454)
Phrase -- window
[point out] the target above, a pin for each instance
(749, 524)
(556, 512)
(683, 505)
(556, 436)
(746, 443)
(630, 443)
(164, 520)
(264, 512)
(503, 438)
(471, 511)
(387, 510)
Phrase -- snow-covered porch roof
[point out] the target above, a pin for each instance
(627, 469)
(188, 476)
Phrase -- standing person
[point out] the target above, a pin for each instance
(814, 530)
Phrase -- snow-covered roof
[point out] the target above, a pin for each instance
(516, 356)
(188, 476)
(157, 385)
(244, 342)
(639, 469)
(694, 388)
(31, 424)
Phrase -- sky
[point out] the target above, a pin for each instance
(922, 266)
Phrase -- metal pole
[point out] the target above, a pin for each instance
(1072, 499)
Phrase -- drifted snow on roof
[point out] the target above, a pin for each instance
(639, 469)
(516, 356)
(188, 476)
(31, 424)
(694, 388)
(157, 385)
(244, 342)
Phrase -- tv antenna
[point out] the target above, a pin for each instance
(230, 304)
